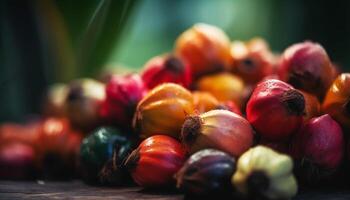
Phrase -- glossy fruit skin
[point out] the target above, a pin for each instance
(206, 172)
(83, 102)
(166, 69)
(319, 146)
(57, 148)
(205, 48)
(17, 161)
(307, 66)
(312, 106)
(253, 60)
(163, 110)
(155, 161)
(219, 129)
(223, 86)
(122, 96)
(98, 148)
(275, 109)
(265, 174)
(337, 100)
(204, 101)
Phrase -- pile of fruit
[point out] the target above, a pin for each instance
(213, 117)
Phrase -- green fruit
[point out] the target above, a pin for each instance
(103, 145)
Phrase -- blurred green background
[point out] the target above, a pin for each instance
(48, 41)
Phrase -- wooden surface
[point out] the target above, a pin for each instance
(74, 190)
(78, 190)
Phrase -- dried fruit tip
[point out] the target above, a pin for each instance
(174, 64)
(131, 161)
(294, 102)
(249, 63)
(75, 93)
(258, 183)
(191, 128)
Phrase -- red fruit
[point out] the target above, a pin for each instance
(23, 133)
(53, 136)
(275, 109)
(319, 145)
(16, 161)
(122, 95)
(166, 69)
(155, 161)
(58, 147)
(307, 66)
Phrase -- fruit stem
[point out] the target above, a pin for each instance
(174, 64)
(258, 183)
(191, 128)
(294, 101)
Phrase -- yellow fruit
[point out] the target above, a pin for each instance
(223, 86)
(262, 172)
(163, 111)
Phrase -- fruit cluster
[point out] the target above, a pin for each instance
(212, 117)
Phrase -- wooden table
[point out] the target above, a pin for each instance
(78, 190)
